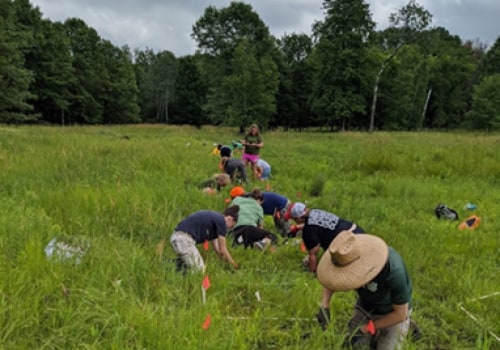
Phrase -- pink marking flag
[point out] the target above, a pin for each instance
(205, 245)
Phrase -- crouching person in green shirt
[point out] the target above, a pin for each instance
(363, 262)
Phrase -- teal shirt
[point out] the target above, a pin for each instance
(250, 213)
(391, 286)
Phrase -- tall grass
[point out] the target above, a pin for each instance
(123, 190)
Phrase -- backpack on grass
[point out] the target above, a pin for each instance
(443, 212)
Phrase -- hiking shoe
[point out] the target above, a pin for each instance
(262, 244)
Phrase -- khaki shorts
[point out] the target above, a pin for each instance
(184, 246)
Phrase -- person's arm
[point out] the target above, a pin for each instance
(326, 297)
(313, 259)
(215, 244)
(398, 314)
(224, 253)
(323, 315)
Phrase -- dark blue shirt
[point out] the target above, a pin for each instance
(273, 202)
(203, 225)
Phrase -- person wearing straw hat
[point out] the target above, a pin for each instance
(366, 264)
(201, 226)
(319, 228)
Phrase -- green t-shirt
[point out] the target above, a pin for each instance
(391, 286)
(250, 213)
(250, 141)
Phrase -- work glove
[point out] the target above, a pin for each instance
(293, 231)
(323, 317)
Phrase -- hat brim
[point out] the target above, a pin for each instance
(374, 253)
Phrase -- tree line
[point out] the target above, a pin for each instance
(346, 75)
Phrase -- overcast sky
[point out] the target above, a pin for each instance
(167, 24)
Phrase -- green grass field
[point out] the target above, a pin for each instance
(122, 190)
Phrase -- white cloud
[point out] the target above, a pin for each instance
(167, 24)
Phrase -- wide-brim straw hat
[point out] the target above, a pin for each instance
(351, 261)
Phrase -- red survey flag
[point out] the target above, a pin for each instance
(370, 327)
(302, 247)
(205, 245)
(207, 322)
(206, 282)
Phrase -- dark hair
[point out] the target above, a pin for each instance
(232, 211)
(257, 194)
(219, 146)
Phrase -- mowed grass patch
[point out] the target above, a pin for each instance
(123, 190)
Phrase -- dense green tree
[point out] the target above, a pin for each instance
(405, 27)
(452, 68)
(120, 93)
(143, 59)
(485, 112)
(15, 79)
(53, 71)
(491, 61)
(339, 60)
(220, 35)
(190, 93)
(245, 94)
(88, 92)
(403, 91)
(159, 84)
(295, 81)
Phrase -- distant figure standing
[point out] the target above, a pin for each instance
(252, 142)
(262, 170)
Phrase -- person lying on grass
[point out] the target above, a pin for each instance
(249, 229)
(366, 264)
(319, 228)
(201, 226)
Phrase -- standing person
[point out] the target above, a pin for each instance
(235, 168)
(252, 143)
(201, 226)
(249, 229)
(363, 262)
(275, 205)
(262, 170)
(319, 228)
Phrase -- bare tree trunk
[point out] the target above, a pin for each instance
(375, 88)
(426, 104)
